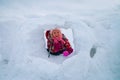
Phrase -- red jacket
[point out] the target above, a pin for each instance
(56, 47)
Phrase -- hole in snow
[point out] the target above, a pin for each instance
(37, 44)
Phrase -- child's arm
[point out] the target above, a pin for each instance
(67, 44)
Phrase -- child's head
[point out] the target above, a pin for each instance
(56, 33)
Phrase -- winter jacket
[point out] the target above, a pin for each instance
(58, 46)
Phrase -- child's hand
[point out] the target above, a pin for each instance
(55, 40)
(65, 53)
(62, 41)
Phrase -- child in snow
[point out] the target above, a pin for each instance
(57, 43)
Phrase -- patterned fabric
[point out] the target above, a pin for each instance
(56, 47)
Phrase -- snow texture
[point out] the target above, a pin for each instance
(94, 27)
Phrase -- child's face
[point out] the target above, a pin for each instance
(56, 33)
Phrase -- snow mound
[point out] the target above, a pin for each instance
(95, 30)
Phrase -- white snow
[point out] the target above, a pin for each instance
(94, 23)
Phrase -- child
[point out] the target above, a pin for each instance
(57, 43)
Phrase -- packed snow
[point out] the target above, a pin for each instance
(91, 26)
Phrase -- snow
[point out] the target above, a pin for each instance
(23, 55)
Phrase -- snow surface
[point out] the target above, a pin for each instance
(95, 24)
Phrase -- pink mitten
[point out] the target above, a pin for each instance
(65, 53)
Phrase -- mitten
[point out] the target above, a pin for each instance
(65, 53)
